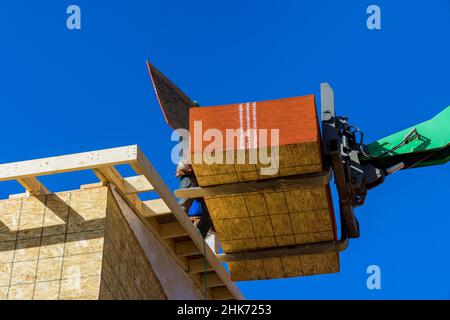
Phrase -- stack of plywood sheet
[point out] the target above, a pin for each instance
(259, 220)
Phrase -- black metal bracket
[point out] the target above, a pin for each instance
(337, 142)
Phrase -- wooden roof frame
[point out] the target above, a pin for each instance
(103, 163)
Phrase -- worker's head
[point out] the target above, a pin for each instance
(184, 167)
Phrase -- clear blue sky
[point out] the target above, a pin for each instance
(67, 91)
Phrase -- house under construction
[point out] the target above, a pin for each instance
(103, 242)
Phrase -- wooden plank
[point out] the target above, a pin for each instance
(33, 186)
(173, 278)
(305, 249)
(298, 182)
(68, 163)
(136, 184)
(143, 166)
(155, 208)
(258, 223)
(253, 212)
(111, 175)
(197, 265)
(130, 185)
(174, 103)
(91, 185)
(171, 230)
(186, 248)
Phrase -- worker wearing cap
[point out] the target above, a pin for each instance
(193, 207)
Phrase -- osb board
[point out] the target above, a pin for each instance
(51, 247)
(296, 151)
(254, 221)
(127, 273)
(224, 167)
(58, 247)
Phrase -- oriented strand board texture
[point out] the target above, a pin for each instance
(51, 246)
(55, 247)
(255, 221)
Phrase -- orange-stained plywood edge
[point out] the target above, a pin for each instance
(295, 118)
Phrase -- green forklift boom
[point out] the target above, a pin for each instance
(425, 144)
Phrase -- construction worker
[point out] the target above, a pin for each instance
(195, 208)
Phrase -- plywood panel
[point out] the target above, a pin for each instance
(261, 220)
(280, 222)
(43, 258)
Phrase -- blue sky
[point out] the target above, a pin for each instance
(67, 91)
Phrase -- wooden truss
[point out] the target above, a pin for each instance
(163, 216)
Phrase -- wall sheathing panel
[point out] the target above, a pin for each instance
(71, 245)
(51, 246)
(260, 220)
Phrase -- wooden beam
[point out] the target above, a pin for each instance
(153, 208)
(18, 195)
(171, 230)
(197, 265)
(143, 166)
(68, 163)
(136, 184)
(212, 280)
(298, 182)
(92, 185)
(212, 241)
(186, 248)
(289, 251)
(33, 186)
(111, 175)
(221, 293)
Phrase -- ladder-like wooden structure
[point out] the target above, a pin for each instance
(163, 217)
